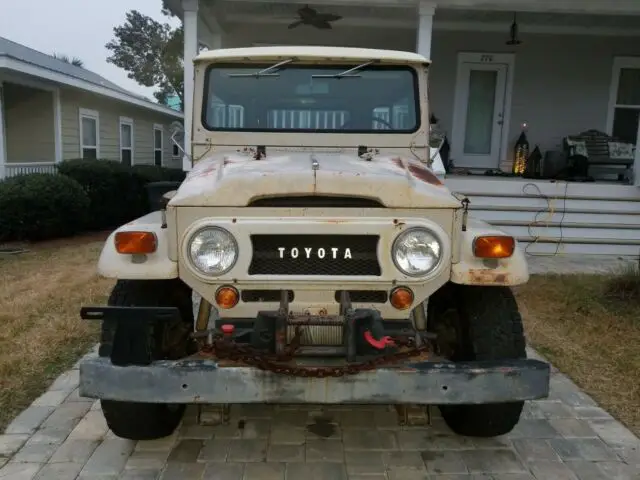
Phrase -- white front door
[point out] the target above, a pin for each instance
(479, 114)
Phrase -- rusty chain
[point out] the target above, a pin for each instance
(246, 354)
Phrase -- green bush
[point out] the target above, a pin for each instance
(116, 192)
(144, 174)
(41, 206)
(152, 173)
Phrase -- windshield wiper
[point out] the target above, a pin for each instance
(265, 71)
(346, 73)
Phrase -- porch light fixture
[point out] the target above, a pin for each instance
(514, 40)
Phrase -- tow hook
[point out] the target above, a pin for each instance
(385, 341)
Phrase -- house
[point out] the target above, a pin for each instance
(51, 111)
(559, 67)
(174, 102)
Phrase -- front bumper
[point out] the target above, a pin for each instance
(205, 381)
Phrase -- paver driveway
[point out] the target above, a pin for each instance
(63, 436)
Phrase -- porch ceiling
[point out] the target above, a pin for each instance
(597, 7)
(231, 13)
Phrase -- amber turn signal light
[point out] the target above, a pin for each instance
(401, 298)
(227, 297)
(499, 246)
(136, 242)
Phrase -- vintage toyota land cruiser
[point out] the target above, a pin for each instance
(341, 269)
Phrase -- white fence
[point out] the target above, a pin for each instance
(13, 169)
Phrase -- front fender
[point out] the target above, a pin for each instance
(153, 266)
(471, 270)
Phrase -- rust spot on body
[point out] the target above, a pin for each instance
(424, 175)
(397, 161)
(487, 277)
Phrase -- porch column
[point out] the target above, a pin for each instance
(3, 149)
(636, 161)
(57, 125)
(190, 26)
(216, 41)
(426, 11)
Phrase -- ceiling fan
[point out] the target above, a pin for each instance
(309, 16)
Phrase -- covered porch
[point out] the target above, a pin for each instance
(576, 68)
(30, 131)
(571, 68)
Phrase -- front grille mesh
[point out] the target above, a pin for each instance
(267, 251)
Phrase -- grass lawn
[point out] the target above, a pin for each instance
(577, 322)
(589, 327)
(41, 333)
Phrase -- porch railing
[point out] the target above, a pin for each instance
(13, 169)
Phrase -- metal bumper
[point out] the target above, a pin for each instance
(204, 381)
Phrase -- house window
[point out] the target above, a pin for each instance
(126, 141)
(624, 108)
(157, 145)
(89, 134)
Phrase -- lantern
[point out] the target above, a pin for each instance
(521, 153)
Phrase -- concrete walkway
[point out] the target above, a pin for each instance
(563, 264)
(62, 436)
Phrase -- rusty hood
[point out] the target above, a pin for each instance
(237, 179)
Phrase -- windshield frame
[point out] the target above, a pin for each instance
(339, 67)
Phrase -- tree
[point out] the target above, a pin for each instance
(151, 52)
(65, 58)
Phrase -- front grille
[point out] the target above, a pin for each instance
(303, 255)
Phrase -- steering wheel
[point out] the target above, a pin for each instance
(375, 119)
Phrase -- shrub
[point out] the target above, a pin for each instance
(152, 173)
(41, 206)
(144, 174)
(114, 193)
(117, 192)
(624, 284)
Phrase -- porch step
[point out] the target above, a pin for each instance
(550, 218)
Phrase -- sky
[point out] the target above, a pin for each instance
(69, 27)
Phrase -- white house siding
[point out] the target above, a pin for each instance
(110, 112)
(561, 82)
(28, 119)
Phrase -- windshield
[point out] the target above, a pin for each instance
(311, 98)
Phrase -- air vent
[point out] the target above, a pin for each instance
(313, 201)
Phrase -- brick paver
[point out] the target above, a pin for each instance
(568, 436)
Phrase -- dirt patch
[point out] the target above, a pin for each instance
(82, 239)
(590, 334)
(42, 335)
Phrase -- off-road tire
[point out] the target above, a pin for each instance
(147, 421)
(489, 328)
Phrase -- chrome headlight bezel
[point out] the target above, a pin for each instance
(189, 242)
(407, 232)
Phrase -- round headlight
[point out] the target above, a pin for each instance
(213, 250)
(416, 252)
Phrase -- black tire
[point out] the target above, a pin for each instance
(488, 327)
(148, 421)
